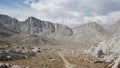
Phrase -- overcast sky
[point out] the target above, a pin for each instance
(68, 12)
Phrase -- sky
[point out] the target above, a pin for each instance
(66, 12)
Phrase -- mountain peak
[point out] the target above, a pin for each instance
(88, 25)
(92, 24)
(31, 18)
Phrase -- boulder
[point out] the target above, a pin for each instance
(36, 50)
(16, 66)
(2, 65)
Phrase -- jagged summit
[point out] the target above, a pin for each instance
(32, 19)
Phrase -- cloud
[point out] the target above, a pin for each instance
(28, 1)
(78, 12)
(68, 12)
(19, 13)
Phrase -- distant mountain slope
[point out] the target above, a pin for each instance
(114, 29)
(89, 33)
(89, 29)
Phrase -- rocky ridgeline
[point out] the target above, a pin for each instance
(107, 51)
(35, 26)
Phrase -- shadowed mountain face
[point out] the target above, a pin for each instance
(5, 32)
(10, 23)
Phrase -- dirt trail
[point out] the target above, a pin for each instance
(66, 62)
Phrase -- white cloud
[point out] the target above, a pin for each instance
(69, 11)
(20, 14)
(115, 15)
(28, 1)
(77, 12)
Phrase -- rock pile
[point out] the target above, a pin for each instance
(18, 52)
(107, 51)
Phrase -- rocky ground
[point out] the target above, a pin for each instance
(45, 57)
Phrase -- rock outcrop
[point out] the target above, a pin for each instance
(108, 51)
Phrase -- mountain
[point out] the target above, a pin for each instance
(89, 29)
(35, 26)
(89, 33)
(44, 28)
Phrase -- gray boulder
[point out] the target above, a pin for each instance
(2, 65)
